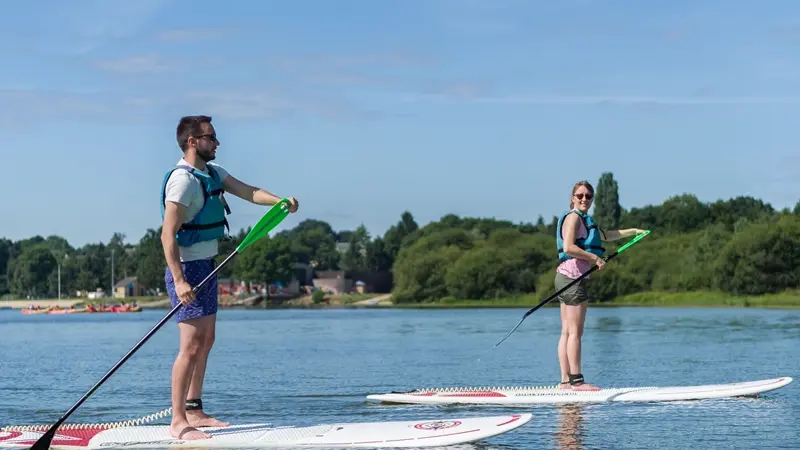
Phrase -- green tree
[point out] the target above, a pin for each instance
(422, 277)
(700, 258)
(396, 235)
(419, 270)
(355, 256)
(152, 262)
(607, 210)
(5, 258)
(314, 243)
(762, 258)
(269, 260)
(483, 272)
(29, 273)
(740, 210)
(377, 257)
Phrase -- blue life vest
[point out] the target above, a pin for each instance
(592, 243)
(209, 223)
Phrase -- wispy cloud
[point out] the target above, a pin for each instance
(477, 17)
(788, 31)
(136, 64)
(634, 100)
(408, 84)
(90, 24)
(275, 103)
(347, 79)
(28, 107)
(189, 35)
(328, 61)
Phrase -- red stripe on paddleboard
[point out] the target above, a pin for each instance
(514, 418)
(76, 438)
(475, 394)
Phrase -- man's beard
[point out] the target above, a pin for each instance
(206, 155)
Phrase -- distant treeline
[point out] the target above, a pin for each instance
(738, 246)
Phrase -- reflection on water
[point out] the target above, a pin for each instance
(569, 435)
(607, 324)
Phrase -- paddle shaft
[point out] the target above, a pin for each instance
(44, 442)
(548, 299)
(609, 258)
(545, 301)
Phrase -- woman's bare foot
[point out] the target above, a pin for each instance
(182, 430)
(200, 419)
(578, 384)
(564, 385)
(585, 387)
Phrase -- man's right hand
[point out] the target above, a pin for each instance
(184, 292)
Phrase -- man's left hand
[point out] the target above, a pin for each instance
(293, 205)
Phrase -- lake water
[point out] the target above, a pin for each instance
(302, 367)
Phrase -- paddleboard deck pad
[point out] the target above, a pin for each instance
(416, 433)
(553, 394)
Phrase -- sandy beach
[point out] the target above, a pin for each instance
(44, 303)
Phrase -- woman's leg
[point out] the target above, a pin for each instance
(562, 349)
(576, 317)
(568, 297)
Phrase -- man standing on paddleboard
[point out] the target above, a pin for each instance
(194, 218)
(579, 240)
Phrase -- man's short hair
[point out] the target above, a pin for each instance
(190, 126)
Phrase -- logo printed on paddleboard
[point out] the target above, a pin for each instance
(437, 425)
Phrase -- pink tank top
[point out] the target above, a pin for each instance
(574, 267)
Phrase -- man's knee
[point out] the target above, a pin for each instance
(193, 347)
(209, 341)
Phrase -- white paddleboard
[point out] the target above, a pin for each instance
(552, 394)
(415, 433)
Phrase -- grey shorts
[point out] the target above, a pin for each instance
(575, 294)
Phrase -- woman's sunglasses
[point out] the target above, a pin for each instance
(580, 196)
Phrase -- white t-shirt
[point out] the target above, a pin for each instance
(187, 190)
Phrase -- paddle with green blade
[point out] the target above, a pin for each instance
(269, 221)
(636, 239)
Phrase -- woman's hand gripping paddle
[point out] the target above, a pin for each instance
(609, 258)
(270, 220)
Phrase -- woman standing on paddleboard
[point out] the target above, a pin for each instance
(579, 241)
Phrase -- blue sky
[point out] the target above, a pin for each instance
(364, 109)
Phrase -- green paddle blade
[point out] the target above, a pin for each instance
(271, 219)
(636, 239)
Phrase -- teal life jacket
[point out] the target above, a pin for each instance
(210, 222)
(591, 243)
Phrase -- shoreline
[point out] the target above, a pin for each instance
(692, 299)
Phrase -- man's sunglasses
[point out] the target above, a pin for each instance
(213, 136)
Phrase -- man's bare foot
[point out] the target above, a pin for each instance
(200, 419)
(183, 430)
